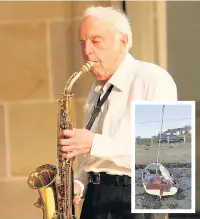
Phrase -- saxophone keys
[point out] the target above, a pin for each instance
(39, 203)
(57, 216)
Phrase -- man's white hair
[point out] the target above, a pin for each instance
(113, 16)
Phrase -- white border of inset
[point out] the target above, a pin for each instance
(193, 160)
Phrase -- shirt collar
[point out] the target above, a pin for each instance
(119, 78)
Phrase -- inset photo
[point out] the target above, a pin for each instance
(163, 159)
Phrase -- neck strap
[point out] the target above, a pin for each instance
(97, 108)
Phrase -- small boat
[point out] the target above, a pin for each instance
(158, 181)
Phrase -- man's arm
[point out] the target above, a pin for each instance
(116, 148)
(110, 149)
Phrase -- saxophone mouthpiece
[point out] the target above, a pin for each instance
(88, 65)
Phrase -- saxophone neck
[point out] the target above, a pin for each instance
(69, 84)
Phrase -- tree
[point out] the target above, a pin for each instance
(187, 128)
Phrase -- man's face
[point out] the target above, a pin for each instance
(99, 44)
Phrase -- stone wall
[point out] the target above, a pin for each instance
(183, 34)
(39, 51)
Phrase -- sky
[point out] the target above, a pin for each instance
(148, 118)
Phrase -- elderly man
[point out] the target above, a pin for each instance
(105, 170)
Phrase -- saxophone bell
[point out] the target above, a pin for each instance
(43, 179)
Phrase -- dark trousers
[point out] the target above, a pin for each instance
(108, 201)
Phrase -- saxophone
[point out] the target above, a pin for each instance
(55, 185)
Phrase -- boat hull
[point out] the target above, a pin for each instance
(158, 181)
(156, 192)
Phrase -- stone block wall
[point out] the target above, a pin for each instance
(39, 51)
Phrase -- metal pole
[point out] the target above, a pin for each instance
(158, 151)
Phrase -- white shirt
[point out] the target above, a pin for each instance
(112, 144)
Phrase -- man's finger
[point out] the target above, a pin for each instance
(76, 200)
(65, 142)
(59, 196)
(71, 154)
(67, 133)
(68, 148)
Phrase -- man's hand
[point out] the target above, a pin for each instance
(77, 192)
(78, 141)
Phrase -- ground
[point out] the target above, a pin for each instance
(177, 159)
